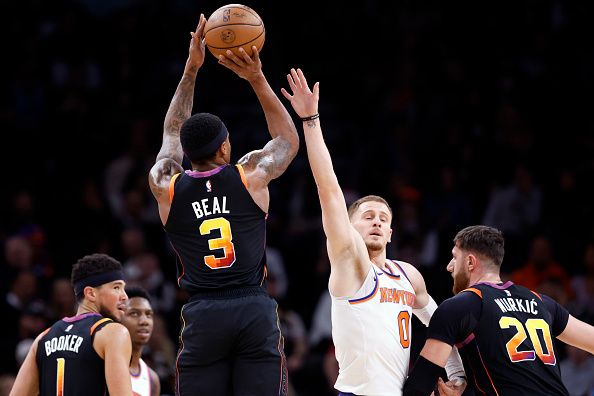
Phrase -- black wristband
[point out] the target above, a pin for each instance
(312, 117)
(422, 379)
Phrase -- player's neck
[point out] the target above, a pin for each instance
(488, 277)
(135, 360)
(86, 307)
(378, 258)
(208, 165)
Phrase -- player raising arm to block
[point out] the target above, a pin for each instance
(373, 298)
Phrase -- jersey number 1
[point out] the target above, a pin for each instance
(60, 376)
(532, 325)
(224, 242)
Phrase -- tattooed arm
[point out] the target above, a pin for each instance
(262, 166)
(169, 159)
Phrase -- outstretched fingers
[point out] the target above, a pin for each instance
(302, 79)
(291, 83)
(286, 94)
(296, 78)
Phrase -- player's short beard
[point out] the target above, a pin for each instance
(461, 282)
(106, 314)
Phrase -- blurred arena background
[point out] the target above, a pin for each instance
(458, 114)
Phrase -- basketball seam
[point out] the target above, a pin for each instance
(238, 45)
(245, 9)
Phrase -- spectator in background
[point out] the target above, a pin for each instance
(577, 372)
(515, 210)
(161, 354)
(62, 302)
(144, 270)
(6, 383)
(583, 286)
(543, 271)
(127, 173)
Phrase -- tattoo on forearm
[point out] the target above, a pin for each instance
(180, 108)
(311, 123)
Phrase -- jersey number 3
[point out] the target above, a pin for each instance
(532, 325)
(224, 242)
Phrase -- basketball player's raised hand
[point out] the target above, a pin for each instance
(303, 100)
(246, 67)
(197, 45)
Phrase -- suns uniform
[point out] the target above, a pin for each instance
(371, 333)
(230, 330)
(141, 381)
(67, 362)
(504, 333)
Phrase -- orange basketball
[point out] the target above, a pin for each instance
(234, 26)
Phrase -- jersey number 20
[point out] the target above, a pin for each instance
(224, 242)
(532, 325)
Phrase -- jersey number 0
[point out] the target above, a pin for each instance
(224, 242)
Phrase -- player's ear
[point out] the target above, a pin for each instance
(90, 293)
(471, 262)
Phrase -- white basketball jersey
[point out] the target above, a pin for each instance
(141, 382)
(371, 333)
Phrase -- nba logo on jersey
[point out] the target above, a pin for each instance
(208, 186)
(68, 328)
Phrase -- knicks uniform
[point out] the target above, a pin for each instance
(67, 362)
(141, 382)
(371, 333)
(504, 333)
(230, 340)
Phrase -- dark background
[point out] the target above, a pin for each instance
(457, 113)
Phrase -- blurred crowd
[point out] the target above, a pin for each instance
(456, 114)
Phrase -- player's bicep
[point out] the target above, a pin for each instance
(273, 160)
(436, 351)
(114, 340)
(578, 334)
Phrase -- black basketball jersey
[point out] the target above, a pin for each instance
(217, 230)
(67, 362)
(505, 337)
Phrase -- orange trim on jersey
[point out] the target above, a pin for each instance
(485, 367)
(475, 291)
(536, 294)
(265, 274)
(242, 174)
(172, 187)
(181, 349)
(98, 323)
(369, 297)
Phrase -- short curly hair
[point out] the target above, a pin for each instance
(135, 291)
(93, 264)
(198, 131)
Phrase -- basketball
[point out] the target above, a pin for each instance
(232, 27)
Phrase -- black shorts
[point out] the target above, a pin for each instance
(230, 344)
